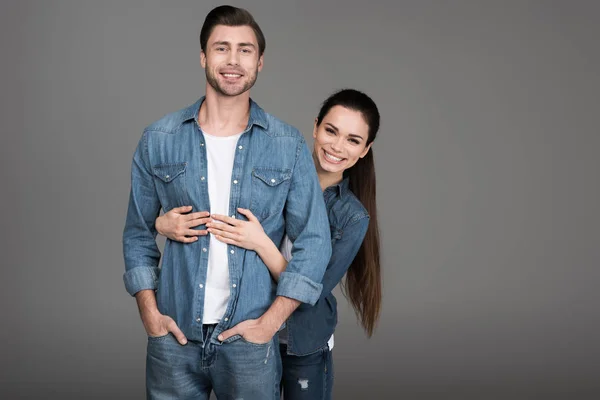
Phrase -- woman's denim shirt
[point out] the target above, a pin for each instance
(310, 327)
(273, 175)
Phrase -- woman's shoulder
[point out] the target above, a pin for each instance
(347, 210)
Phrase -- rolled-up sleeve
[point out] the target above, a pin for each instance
(140, 250)
(307, 226)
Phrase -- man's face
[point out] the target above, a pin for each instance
(231, 60)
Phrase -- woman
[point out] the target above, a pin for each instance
(343, 133)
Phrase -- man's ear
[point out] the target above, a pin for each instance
(202, 59)
(261, 62)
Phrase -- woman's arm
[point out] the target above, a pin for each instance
(343, 252)
(248, 235)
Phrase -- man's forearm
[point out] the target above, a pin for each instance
(279, 312)
(146, 302)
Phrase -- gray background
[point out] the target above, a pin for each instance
(487, 170)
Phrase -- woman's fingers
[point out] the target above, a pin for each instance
(196, 215)
(248, 214)
(224, 239)
(197, 222)
(226, 219)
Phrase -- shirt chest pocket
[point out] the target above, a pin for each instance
(270, 187)
(171, 184)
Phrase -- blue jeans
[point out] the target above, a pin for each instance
(307, 377)
(233, 370)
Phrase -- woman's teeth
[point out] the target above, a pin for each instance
(332, 158)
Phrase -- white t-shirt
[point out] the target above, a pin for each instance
(220, 153)
(286, 252)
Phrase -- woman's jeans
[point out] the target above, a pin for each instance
(307, 377)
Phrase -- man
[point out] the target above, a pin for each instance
(211, 312)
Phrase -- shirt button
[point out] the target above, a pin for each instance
(232, 251)
(235, 182)
(167, 176)
(233, 216)
(198, 319)
(204, 249)
(201, 286)
(202, 178)
(272, 180)
(201, 144)
(226, 319)
(240, 147)
(234, 285)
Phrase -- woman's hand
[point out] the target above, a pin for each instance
(247, 234)
(176, 224)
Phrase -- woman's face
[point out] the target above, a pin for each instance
(340, 139)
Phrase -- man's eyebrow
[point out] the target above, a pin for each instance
(226, 43)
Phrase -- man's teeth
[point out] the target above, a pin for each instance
(332, 157)
(232, 75)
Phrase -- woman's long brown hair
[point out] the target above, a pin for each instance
(362, 285)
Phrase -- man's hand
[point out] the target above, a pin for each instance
(252, 330)
(176, 224)
(155, 323)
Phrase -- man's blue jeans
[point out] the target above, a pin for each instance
(236, 369)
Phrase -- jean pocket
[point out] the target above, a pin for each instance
(231, 339)
(158, 338)
(242, 339)
(171, 185)
(269, 190)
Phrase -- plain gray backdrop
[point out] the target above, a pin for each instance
(487, 165)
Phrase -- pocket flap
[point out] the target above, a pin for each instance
(168, 172)
(272, 176)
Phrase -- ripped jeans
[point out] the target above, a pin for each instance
(307, 377)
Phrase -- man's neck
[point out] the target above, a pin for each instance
(224, 115)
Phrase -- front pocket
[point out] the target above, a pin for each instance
(270, 187)
(158, 338)
(170, 184)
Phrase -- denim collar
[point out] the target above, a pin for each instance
(340, 188)
(257, 114)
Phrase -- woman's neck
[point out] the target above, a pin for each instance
(327, 178)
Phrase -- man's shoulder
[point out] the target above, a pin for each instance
(278, 128)
(170, 123)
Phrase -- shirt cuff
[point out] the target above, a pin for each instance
(299, 287)
(140, 278)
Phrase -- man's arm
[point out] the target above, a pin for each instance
(307, 226)
(140, 250)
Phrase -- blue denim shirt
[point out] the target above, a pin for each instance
(273, 176)
(309, 328)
